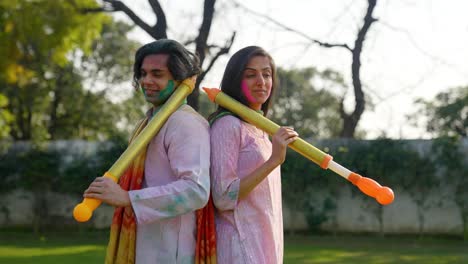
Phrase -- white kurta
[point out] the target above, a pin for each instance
(176, 183)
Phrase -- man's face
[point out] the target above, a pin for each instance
(155, 77)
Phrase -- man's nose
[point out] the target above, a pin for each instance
(146, 79)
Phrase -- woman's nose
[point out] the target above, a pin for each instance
(260, 80)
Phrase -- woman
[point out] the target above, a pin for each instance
(246, 183)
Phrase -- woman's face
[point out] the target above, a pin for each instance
(257, 81)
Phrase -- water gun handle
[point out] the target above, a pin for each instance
(84, 210)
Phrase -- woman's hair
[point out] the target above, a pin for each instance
(181, 62)
(234, 72)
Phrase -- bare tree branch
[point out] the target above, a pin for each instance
(411, 39)
(222, 51)
(318, 42)
(201, 46)
(350, 121)
(188, 42)
(95, 10)
(158, 31)
(202, 38)
(341, 14)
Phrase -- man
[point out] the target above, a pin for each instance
(154, 221)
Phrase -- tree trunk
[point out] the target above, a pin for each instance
(40, 211)
(53, 108)
(350, 121)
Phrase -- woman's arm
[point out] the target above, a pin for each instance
(280, 141)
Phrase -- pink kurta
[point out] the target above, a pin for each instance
(248, 230)
(176, 183)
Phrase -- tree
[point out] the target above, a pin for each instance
(452, 163)
(350, 120)
(304, 102)
(111, 59)
(447, 113)
(38, 37)
(77, 112)
(88, 113)
(159, 31)
(6, 118)
(110, 65)
(58, 86)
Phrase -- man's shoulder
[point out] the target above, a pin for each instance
(187, 116)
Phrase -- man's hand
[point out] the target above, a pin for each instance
(106, 190)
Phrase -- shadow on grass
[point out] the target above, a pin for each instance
(89, 247)
(376, 250)
(68, 247)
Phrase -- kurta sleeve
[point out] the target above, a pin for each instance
(187, 143)
(225, 147)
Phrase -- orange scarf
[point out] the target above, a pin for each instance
(205, 251)
(121, 247)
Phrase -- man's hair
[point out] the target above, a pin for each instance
(233, 74)
(181, 62)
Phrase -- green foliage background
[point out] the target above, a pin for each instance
(397, 164)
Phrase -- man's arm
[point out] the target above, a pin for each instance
(188, 150)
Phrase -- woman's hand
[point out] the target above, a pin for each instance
(106, 190)
(280, 141)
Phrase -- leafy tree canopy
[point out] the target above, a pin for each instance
(447, 113)
(304, 100)
(61, 64)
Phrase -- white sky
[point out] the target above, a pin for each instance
(416, 49)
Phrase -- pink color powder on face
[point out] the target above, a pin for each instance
(245, 90)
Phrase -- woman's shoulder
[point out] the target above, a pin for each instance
(226, 122)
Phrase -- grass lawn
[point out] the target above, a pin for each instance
(64, 248)
(374, 250)
(89, 247)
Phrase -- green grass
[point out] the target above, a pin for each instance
(64, 248)
(376, 250)
(89, 247)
